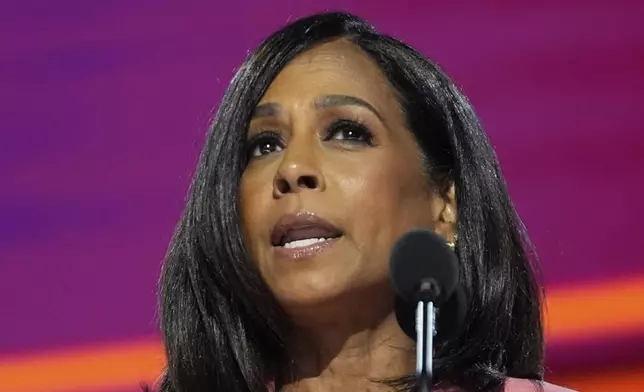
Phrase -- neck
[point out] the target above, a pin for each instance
(350, 353)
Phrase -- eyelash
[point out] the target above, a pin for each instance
(262, 139)
(365, 135)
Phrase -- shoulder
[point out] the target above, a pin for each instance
(518, 385)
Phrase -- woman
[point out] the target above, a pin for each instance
(330, 143)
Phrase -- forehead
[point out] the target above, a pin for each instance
(337, 67)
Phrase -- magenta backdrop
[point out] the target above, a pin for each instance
(104, 106)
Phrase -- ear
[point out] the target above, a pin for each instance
(447, 214)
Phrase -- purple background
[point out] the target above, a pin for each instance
(104, 106)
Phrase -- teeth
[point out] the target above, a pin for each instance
(304, 242)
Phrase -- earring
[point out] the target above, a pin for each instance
(452, 244)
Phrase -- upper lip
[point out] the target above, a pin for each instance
(292, 227)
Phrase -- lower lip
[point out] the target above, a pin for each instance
(305, 252)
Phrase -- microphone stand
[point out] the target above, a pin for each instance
(425, 332)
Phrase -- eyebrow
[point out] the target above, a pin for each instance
(266, 110)
(326, 101)
(334, 100)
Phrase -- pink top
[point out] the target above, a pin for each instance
(512, 385)
(517, 385)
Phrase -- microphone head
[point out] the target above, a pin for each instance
(421, 255)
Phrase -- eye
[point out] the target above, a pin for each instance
(264, 143)
(350, 132)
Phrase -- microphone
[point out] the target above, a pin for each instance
(424, 272)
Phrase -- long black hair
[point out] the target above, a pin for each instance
(224, 330)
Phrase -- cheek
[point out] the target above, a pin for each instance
(385, 201)
(371, 197)
(253, 205)
(369, 190)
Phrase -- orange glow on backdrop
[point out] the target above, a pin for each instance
(572, 315)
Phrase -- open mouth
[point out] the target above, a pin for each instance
(301, 238)
(305, 242)
(302, 231)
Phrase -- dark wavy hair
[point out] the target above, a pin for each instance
(223, 329)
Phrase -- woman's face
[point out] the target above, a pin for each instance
(334, 179)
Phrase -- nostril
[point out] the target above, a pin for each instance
(309, 182)
(283, 186)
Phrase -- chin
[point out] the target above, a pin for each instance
(308, 292)
(322, 299)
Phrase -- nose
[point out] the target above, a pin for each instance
(299, 171)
